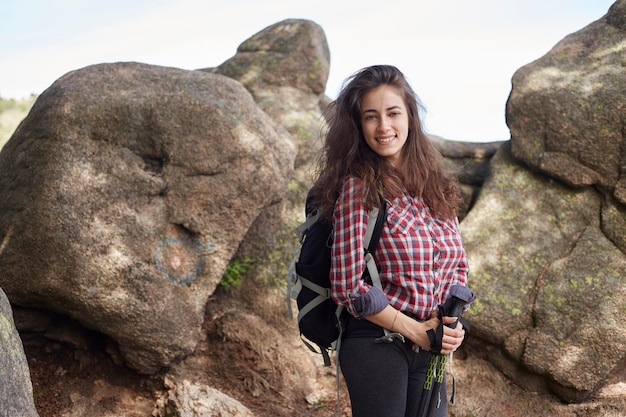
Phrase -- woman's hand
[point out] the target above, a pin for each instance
(416, 331)
(452, 337)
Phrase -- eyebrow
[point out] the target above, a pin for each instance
(387, 109)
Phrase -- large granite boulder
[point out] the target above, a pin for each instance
(16, 390)
(126, 191)
(285, 67)
(546, 238)
(567, 114)
(550, 284)
(291, 54)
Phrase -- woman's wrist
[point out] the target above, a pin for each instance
(393, 324)
(396, 321)
(413, 330)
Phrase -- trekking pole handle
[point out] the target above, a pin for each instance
(460, 296)
(457, 309)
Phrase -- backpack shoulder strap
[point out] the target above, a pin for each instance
(375, 277)
(372, 236)
(374, 230)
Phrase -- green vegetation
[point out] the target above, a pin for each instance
(12, 112)
(235, 271)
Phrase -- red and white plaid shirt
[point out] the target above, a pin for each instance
(419, 256)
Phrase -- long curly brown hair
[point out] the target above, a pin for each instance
(345, 152)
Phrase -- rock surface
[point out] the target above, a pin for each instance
(285, 67)
(16, 391)
(191, 399)
(546, 236)
(123, 192)
(567, 114)
(550, 285)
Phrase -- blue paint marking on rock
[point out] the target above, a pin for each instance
(181, 259)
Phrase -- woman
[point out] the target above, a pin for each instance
(376, 148)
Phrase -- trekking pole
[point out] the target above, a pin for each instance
(430, 400)
(428, 385)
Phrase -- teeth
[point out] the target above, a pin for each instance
(385, 140)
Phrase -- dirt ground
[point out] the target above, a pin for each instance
(242, 361)
(75, 382)
(62, 378)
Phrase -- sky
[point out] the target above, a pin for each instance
(459, 55)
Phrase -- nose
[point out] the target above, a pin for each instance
(383, 123)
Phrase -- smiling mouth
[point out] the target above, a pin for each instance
(385, 139)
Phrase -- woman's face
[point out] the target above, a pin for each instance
(385, 122)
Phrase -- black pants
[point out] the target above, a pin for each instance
(383, 379)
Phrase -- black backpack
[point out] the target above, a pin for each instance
(319, 318)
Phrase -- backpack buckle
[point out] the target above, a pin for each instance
(389, 337)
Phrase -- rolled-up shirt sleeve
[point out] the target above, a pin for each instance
(348, 255)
